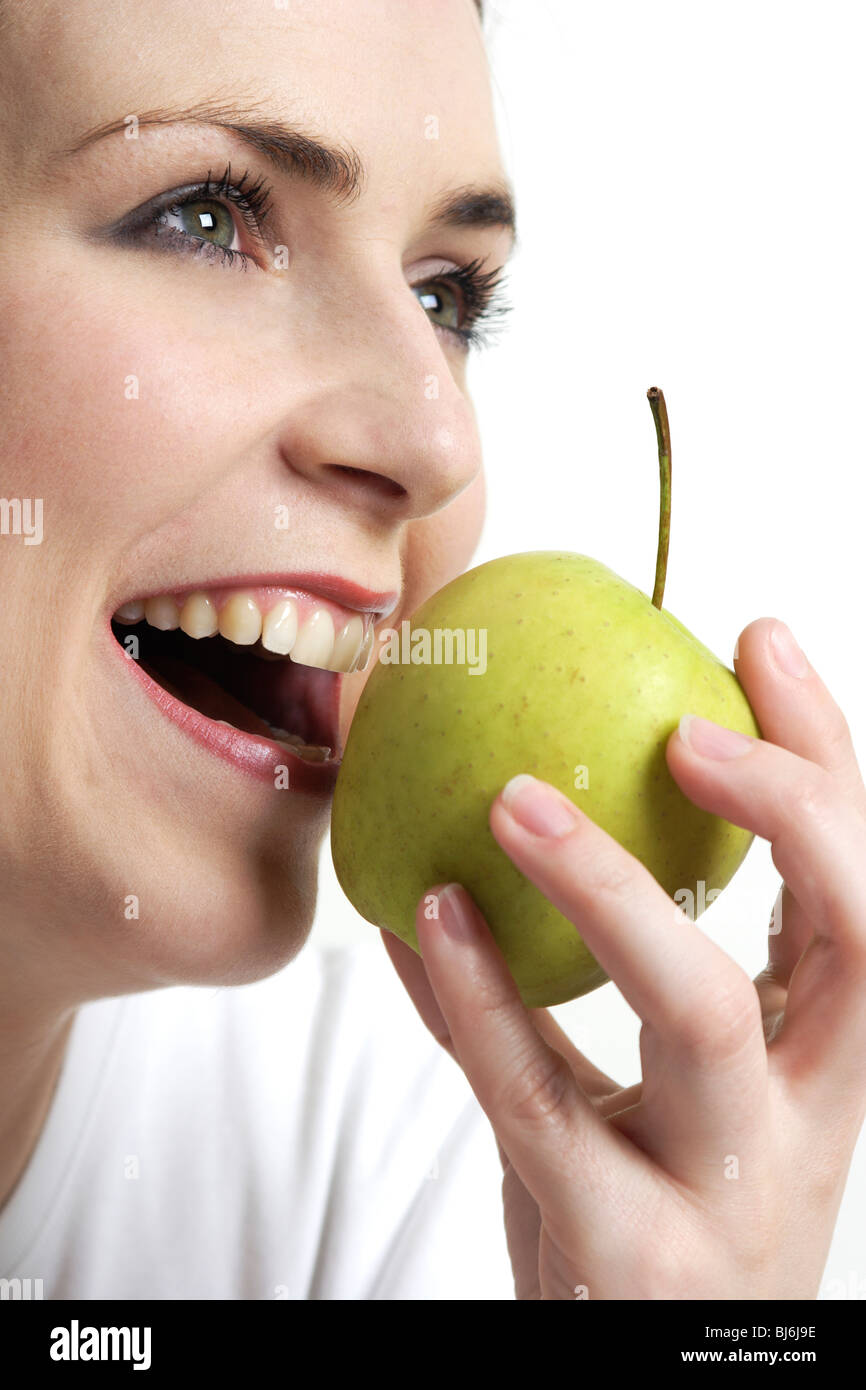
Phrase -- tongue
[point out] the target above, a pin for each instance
(194, 688)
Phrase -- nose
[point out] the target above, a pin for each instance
(379, 421)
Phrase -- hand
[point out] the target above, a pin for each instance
(721, 1173)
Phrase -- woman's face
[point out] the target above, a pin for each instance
(212, 399)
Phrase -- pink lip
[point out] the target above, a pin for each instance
(258, 757)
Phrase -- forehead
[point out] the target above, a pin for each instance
(380, 74)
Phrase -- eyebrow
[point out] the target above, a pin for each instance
(337, 170)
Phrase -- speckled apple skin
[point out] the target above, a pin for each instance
(581, 670)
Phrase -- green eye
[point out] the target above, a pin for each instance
(440, 303)
(207, 220)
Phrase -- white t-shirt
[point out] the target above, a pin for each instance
(303, 1137)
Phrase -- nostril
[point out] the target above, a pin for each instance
(376, 482)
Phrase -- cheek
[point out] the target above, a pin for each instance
(441, 546)
(115, 412)
(438, 549)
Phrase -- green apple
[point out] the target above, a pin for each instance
(578, 679)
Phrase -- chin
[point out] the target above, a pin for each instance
(239, 922)
(226, 920)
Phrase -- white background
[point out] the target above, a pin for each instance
(689, 181)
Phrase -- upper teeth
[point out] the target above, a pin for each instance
(315, 641)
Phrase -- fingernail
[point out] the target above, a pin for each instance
(711, 740)
(538, 807)
(786, 653)
(454, 916)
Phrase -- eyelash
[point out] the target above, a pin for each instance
(484, 305)
(250, 196)
(480, 291)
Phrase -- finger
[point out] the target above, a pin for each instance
(637, 934)
(523, 1220)
(702, 1041)
(817, 837)
(796, 711)
(410, 968)
(819, 1046)
(790, 930)
(818, 840)
(792, 705)
(611, 1106)
(522, 1234)
(786, 949)
(542, 1119)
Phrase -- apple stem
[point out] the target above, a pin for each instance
(655, 396)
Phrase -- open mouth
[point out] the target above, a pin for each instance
(264, 663)
(244, 687)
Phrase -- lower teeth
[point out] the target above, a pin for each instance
(312, 752)
(293, 743)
